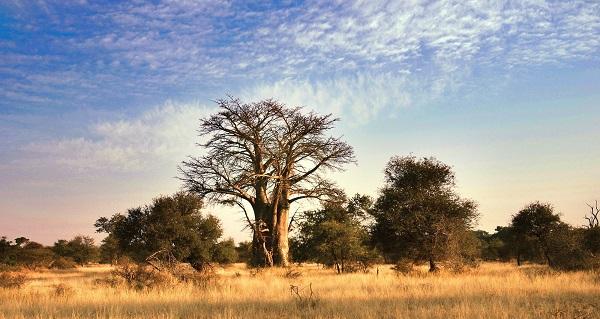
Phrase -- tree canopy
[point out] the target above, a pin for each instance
(265, 156)
(172, 225)
(418, 214)
(536, 222)
(335, 235)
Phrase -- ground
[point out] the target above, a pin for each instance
(493, 290)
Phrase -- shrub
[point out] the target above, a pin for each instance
(567, 251)
(63, 263)
(112, 281)
(12, 279)
(403, 266)
(142, 277)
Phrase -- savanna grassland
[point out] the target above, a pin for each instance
(493, 290)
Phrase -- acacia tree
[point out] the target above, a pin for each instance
(336, 235)
(266, 156)
(536, 221)
(172, 227)
(419, 216)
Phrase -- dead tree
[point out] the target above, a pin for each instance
(593, 218)
(266, 156)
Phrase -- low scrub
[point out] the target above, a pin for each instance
(142, 277)
(403, 267)
(63, 263)
(12, 280)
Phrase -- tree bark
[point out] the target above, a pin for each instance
(547, 257)
(432, 265)
(262, 245)
(282, 247)
(270, 246)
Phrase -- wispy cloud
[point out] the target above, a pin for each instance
(357, 99)
(170, 46)
(164, 135)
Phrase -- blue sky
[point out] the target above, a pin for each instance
(99, 101)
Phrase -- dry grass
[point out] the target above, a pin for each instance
(490, 291)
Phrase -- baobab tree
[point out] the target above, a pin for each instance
(265, 156)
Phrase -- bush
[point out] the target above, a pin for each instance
(12, 280)
(63, 263)
(591, 239)
(567, 250)
(142, 277)
(403, 266)
(357, 266)
(224, 252)
(112, 281)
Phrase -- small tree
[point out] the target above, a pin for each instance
(172, 226)
(80, 249)
(511, 245)
(33, 255)
(536, 222)
(24, 252)
(334, 236)
(418, 215)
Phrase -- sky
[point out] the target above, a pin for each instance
(100, 101)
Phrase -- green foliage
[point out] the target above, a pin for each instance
(244, 251)
(171, 224)
(419, 216)
(80, 249)
(141, 277)
(109, 250)
(567, 251)
(533, 225)
(334, 236)
(505, 244)
(225, 252)
(63, 263)
(24, 252)
(491, 246)
(591, 238)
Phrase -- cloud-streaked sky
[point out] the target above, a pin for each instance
(99, 102)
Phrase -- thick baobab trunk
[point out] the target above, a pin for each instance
(282, 247)
(270, 245)
(262, 255)
(262, 244)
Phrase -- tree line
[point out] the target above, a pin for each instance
(264, 157)
(63, 254)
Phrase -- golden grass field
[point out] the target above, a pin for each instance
(492, 290)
